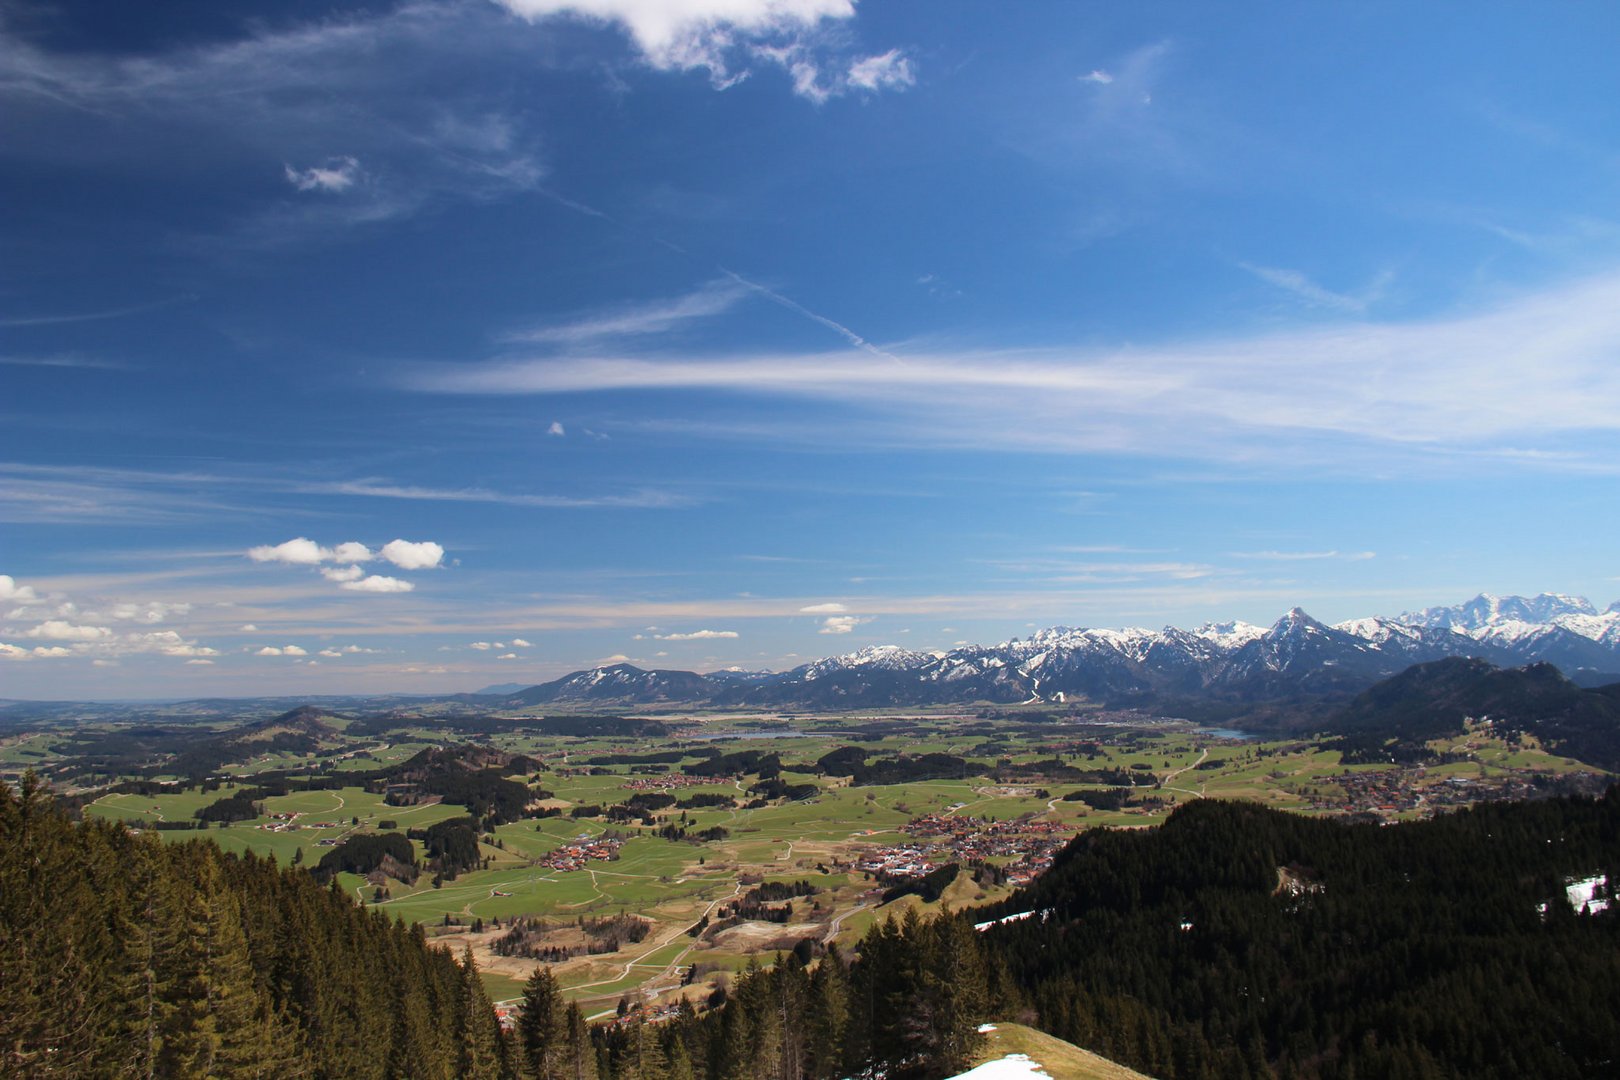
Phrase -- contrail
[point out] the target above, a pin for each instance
(839, 328)
(770, 294)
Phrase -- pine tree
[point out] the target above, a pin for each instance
(480, 1041)
(579, 1056)
(541, 1031)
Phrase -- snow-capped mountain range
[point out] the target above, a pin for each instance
(1235, 661)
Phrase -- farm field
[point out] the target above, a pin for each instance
(667, 875)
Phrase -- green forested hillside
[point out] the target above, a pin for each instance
(123, 956)
(1237, 941)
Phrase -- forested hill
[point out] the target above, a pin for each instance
(1236, 940)
(1429, 701)
(122, 956)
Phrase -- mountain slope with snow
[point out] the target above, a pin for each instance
(1297, 656)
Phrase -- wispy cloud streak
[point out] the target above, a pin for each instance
(1511, 384)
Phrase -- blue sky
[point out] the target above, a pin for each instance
(420, 346)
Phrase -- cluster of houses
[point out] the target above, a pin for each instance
(1395, 791)
(575, 854)
(1029, 844)
(901, 860)
(665, 781)
(289, 822)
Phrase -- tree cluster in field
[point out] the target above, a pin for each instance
(125, 956)
(850, 761)
(245, 805)
(741, 763)
(1441, 948)
(929, 887)
(1111, 799)
(362, 853)
(706, 798)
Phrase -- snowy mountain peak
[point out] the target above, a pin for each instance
(1229, 635)
(1294, 622)
(1486, 610)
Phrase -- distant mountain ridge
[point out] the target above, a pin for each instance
(1235, 662)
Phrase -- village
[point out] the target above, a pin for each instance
(581, 851)
(1027, 842)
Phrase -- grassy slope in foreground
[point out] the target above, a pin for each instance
(1050, 1055)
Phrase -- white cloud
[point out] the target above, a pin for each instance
(1295, 282)
(376, 583)
(1539, 369)
(687, 34)
(722, 36)
(247, 628)
(840, 624)
(481, 646)
(338, 174)
(519, 643)
(284, 650)
(698, 635)
(10, 590)
(1098, 76)
(823, 609)
(188, 650)
(52, 652)
(340, 574)
(508, 656)
(297, 552)
(61, 630)
(556, 429)
(653, 317)
(352, 551)
(200, 662)
(12, 652)
(888, 70)
(409, 555)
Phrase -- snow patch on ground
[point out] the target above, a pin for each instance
(1011, 1067)
(1583, 894)
(985, 1029)
(1019, 917)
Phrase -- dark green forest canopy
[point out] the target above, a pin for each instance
(123, 956)
(1236, 939)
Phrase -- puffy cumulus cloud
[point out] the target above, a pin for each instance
(300, 551)
(377, 583)
(38, 652)
(698, 635)
(62, 630)
(823, 609)
(408, 555)
(485, 646)
(10, 590)
(519, 643)
(148, 613)
(282, 650)
(509, 656)
(556, 429)
(190, 651)
(723, 37)
(201, 663)
(342, 573)
(686, 34)
(332, 654)
(840, 624)
(338, 174)
(352, 551)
